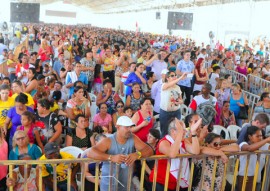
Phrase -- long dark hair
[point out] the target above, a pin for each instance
(264, 95)
(251, 131)
(210, 137)
(34, 72)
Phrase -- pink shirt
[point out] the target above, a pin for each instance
(3, 156)
(102, 122)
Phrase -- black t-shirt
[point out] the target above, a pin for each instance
(50, 122)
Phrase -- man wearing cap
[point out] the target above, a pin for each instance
(52, 152)
(122, 149)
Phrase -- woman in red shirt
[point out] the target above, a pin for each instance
(201, 76)
(143, 119)
(44, 52)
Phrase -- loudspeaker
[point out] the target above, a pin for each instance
(157, 15)
(24, 12)
(179, 21)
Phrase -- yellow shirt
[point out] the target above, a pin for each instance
(4, 107)
(109, 63)
(140, 60)
(30, 99)
(18, 34)
(55, 107)
(61, 168)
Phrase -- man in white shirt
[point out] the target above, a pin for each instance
(203, 54)
(156, 91)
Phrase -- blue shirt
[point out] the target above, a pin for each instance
(132, 77)
(243, 133)
(184, 66)
(57, 66)
(173, 47)
(82, 78)
(33, 150)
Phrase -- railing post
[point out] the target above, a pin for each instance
(155, 176)
(142, 173)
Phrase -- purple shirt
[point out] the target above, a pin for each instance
(242, 70)
(15, 119)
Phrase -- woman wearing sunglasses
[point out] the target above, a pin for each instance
(213, 148)
(21, 145)
(171, 97)
(119, 111)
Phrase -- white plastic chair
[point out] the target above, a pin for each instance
(218, 129)
(184, 111)
(157, 123)
(74, 151)
(233, 130)
(93, 108)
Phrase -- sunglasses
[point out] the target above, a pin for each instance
(20, 138)
(172, 76)
(216, 144)
(120, 106)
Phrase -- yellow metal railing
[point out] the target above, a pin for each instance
(234, 156)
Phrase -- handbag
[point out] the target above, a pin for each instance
(243, 114)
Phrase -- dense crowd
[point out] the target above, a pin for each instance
(119, 96)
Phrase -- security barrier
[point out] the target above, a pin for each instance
(258, 85)
(252, 100)
(239, 78)
(233, 165)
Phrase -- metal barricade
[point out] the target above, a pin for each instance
(114, 168)
(252, 100)
(258, 85)
(239, 78)
(223, 71)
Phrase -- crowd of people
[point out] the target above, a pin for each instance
(139, 83)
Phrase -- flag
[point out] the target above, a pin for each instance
(137, 28)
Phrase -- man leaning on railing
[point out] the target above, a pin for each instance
(52, 152)
(120, 150)
(172, 145)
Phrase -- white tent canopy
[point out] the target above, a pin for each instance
(122, 6)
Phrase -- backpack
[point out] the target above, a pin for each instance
(207, 111)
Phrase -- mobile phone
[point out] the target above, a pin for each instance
(148, 119)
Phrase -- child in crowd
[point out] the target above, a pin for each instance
(128, 111)
(30, 128)
(97, 79)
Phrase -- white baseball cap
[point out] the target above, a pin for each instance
(124, 121)
(164, 71)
